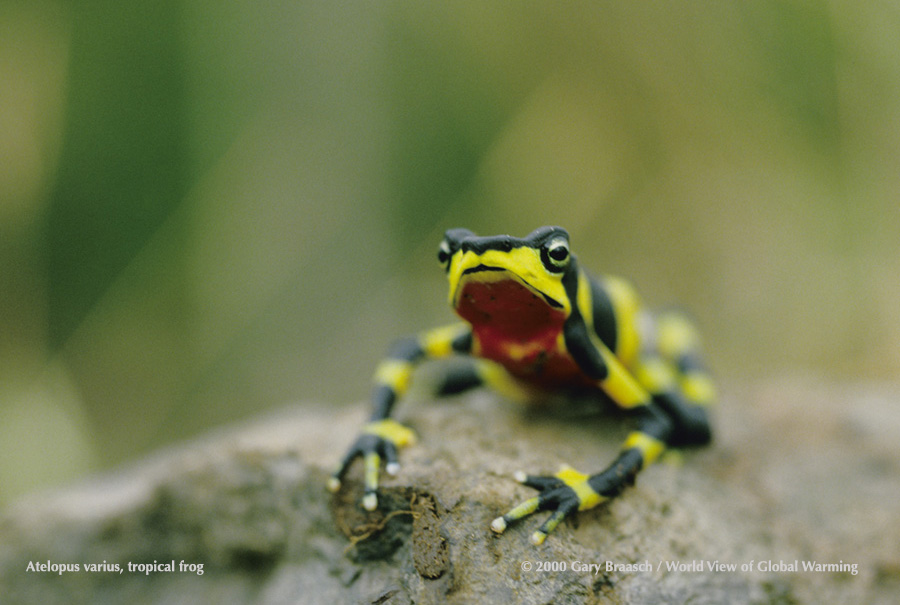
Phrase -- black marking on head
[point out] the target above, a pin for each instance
(481, 268)
(451, 243)
(554, 239)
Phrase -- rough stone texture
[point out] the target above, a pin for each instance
(800, 471)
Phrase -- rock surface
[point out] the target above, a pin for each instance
(799, 472)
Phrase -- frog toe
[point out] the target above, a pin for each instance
(391, 460)
(538, 482)
(565, 508)
(521, 511)
(337, 477)
(370, 501)
(559, 498)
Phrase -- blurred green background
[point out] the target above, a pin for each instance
(210, 209)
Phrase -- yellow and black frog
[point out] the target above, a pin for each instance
(536, 322)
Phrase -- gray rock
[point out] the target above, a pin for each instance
(799, 472)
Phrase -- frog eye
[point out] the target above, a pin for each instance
(556, 255)
(444, 254)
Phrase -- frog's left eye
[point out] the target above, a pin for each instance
(556, 255)
(444, 254)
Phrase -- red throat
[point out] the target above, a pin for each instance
(516, 327)
(509, 307)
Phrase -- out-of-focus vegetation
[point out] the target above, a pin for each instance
(208, 209)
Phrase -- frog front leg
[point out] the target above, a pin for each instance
(382, 437)
(568, 490)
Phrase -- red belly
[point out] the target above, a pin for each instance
(539, 361)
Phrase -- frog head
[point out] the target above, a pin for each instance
(503, 280)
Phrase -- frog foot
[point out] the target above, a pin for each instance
(564, 493)
(380, 440)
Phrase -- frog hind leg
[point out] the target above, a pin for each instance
(671, 367)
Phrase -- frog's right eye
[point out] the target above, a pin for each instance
(444, 254)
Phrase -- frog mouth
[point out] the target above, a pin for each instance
(504, 275)
(498, 299)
